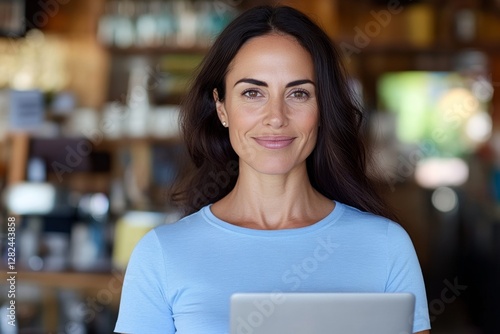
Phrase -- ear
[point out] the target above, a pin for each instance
(219, 105)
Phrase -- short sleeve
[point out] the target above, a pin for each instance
(405, 274)
(143, 304)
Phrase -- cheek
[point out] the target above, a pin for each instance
(240, 144)
(312, 136)
(312, 120)
(243, 115)
(309, 121)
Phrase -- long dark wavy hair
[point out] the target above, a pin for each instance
(337, 165)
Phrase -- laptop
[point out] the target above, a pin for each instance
(321, 313)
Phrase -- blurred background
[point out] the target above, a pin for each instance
(89, 143)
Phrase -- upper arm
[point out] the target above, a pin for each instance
(404, 274)
(143, 305)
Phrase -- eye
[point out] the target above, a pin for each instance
(251, 93)
(300, 94)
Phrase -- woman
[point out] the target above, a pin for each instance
(279, 199)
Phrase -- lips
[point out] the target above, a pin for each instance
(274, 142)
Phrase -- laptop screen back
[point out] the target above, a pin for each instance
(322, 313)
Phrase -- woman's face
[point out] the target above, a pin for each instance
(270, 105)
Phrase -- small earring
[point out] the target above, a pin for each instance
(224, 124)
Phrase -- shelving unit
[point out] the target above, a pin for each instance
(99, 289)
(95, 68)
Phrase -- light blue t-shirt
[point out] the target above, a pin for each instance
(180, 276)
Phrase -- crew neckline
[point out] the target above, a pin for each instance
(331, 218)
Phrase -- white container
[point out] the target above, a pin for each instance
(164, 122)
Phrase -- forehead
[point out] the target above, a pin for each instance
(270, 54)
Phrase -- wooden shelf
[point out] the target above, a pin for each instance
(70, 280)
(411, 50)
(126, 141)
(160, 50)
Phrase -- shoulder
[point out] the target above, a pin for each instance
(153, 246)
(371, 224)
(186, 227)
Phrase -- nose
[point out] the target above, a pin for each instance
(276, 114)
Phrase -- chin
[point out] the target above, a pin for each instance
(272, 166)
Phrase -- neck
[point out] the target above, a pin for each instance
(273, 201)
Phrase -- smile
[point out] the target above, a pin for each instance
(274, 142)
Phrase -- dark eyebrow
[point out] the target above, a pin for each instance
(298, 82)
(252, 81)
(262, 83)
